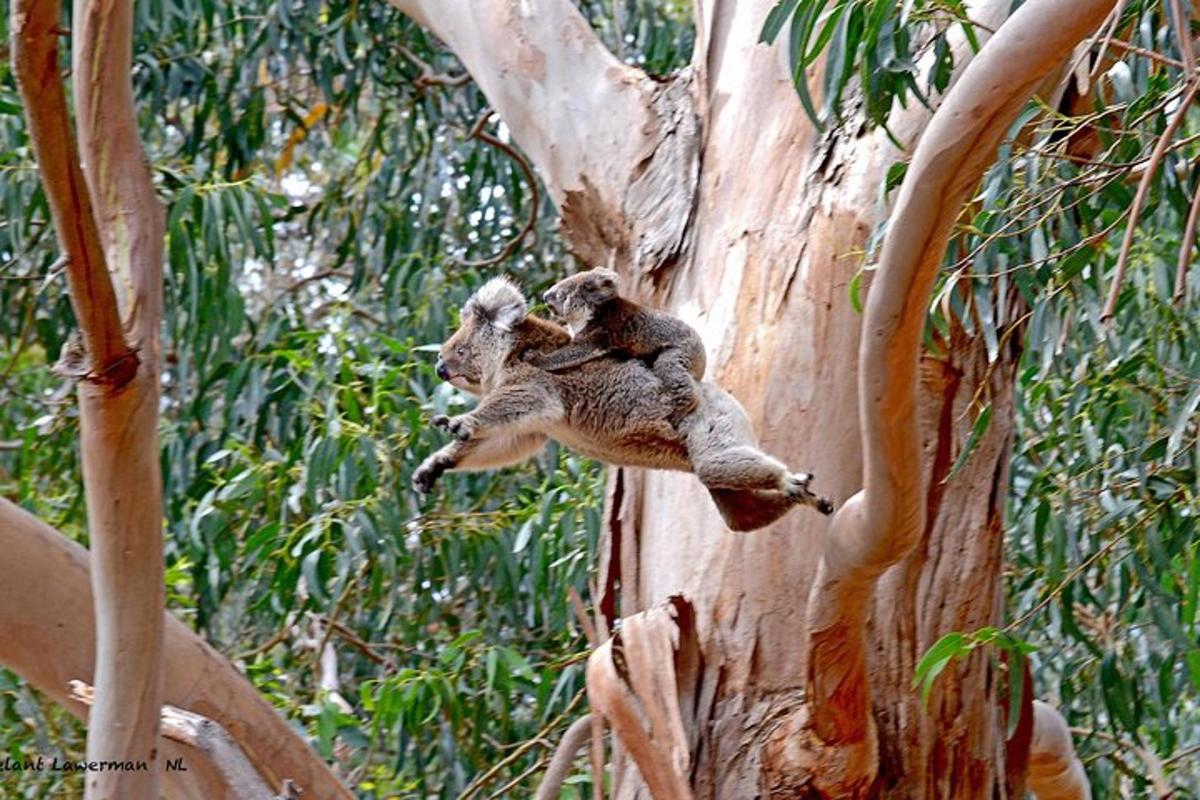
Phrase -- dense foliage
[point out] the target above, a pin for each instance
(326, 213)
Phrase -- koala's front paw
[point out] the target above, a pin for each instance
(427, 474)
(461, 427)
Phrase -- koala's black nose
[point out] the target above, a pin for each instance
(442, 371)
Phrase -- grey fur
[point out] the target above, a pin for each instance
(603, 322)
(609, 408)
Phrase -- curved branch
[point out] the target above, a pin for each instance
(577, 735)
(1139, 199)
(46, 613)
(879, 525)
(477, 132)
(1055, 773)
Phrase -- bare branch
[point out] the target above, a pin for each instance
(1055, 773)
(477, 132)
(36, 66)
(880, 524)
(622, 165)
(631, 680)
(575, 737)
(130, 217)
(429, 76)
(1139, 199)
(1186, 245)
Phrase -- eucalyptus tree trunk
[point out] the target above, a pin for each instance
(779, 663)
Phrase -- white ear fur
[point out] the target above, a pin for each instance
(500, 302)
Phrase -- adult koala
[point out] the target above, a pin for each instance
(612, 409)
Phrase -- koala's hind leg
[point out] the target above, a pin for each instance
(741, 467)
(746, 467)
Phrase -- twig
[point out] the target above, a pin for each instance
(1144, 53)
(1114, 19)
(520, 750)
(1139, 199)
(428, 76)
(1154, 765)
(576, 736)
(596, 632)
(1185, 251)
(477, 132)
(1183, 28)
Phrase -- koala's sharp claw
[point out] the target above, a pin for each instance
(440, 421)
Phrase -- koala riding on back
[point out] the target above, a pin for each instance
(602, 322)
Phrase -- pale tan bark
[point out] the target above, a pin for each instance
(879, 525)
(778, 218)
(36, 65)
(110, 224)
(1055, 773)
(119, 390)
(46, 611)
(576, 736)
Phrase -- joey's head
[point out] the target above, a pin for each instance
(486, 335)
(575, 299)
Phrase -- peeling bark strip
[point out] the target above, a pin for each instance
(880, 524)
(632, 680)
(46, 610)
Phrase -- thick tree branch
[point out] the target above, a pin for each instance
(880, 524)
(618, 151)
(1054, 771)
(119, 431)
(110, 225)
(35, 39)
(46, 612)
(130, 216)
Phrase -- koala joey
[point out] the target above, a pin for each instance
(608, 408)
(601, 322)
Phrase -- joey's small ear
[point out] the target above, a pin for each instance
(602, 284)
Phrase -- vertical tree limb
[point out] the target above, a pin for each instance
(879, 525)
(119, 432)
(110, 225)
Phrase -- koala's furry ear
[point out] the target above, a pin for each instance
(602, 284)
(499, 303)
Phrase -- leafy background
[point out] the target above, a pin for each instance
(326, 212)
